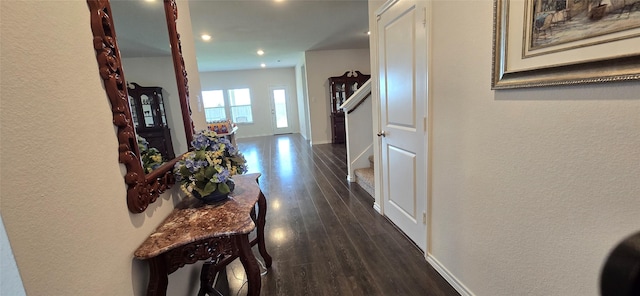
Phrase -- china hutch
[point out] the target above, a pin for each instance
(340, 89)
(149, 117)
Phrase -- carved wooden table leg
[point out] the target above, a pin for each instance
(250, 264)
(208, 274)
(158, 279)
(207, 278)
(262, 215)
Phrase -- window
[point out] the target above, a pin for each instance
(237, 105)
(213, 102)
(240, 102)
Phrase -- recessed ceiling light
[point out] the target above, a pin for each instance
(368, 32)
(260, 52)
(263, 65)
(205, 37)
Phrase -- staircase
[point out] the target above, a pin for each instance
(358, 110)
(365, 178)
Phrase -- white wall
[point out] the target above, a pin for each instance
(259, 82)
(303, 106)
(373, 6)
(320, 66)
(531, 188)
(61, 186)
(191, 64)
(359, 138)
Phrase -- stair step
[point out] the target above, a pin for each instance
(366, 179)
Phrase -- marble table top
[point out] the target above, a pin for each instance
(192, 220)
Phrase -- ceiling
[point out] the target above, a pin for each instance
(283, 29)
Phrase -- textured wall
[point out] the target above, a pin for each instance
(531, 187)
(62, 189)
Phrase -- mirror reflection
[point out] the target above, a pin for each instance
(143, 40)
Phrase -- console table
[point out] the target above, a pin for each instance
(195, 231)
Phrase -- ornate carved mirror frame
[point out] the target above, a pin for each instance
(142, 189)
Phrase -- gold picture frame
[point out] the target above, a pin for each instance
(602, 57)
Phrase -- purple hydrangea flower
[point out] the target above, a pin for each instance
(201, 163)
(200, 142)
(232, 149)
(222, 176)
(242, 169)
(190, 164)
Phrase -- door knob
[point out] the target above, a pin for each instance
(382, 134)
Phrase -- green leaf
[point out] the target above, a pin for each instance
(200, 155)
(224, 188)
(208, 188)
(200, 176)
(184, 171)
(201, 185)
(198, 190)
(238, 160)
(209, 172)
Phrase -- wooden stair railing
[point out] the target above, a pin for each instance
(358, 104)
(361, 94)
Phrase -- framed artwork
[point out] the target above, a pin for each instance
(560, 42)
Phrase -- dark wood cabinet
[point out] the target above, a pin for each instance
(340, 89)
(338, 132)
(149, 117)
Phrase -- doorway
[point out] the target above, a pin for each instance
(402, 57)
(281, 122)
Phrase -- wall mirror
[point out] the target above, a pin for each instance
(150, 51)
(145, 54)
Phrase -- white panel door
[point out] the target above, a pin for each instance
(403, 101)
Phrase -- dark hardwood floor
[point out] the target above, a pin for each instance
(322, 231)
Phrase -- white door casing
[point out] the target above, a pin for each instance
(403, 89)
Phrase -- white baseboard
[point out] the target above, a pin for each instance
(320, 143)
(351, 178)
(252, 136)
(452, 280)
(376, 207)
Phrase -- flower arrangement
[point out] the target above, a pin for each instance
(150, 157)
(211, 164)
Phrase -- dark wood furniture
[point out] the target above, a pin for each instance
(195, 231)
(340, 89)
(149, 117)
(143, 189)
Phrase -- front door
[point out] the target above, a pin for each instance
(280, 110)
(402, 48)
